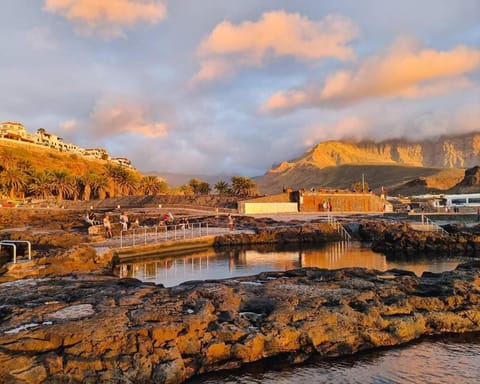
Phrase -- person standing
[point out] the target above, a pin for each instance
(108, 227)
(230, 222)
(124, 221)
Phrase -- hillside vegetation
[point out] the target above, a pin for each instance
(39, 172)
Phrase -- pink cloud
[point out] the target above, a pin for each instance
(405, 70)
(113, 117)
(107, 17)
(276, 34)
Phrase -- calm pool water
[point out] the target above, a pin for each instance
(210, 264)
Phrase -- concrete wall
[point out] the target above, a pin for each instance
(251, 208)
(342, 202)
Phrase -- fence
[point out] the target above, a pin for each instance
(151, 235)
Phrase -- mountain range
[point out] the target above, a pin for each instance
(401, 165)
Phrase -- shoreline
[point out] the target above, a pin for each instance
(69, 318)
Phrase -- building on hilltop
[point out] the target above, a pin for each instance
(98, 153)
(16, 131)
(123, 161)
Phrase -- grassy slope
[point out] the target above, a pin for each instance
(43, 158)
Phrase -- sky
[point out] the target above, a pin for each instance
(232, 87)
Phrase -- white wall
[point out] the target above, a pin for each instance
(250, 208)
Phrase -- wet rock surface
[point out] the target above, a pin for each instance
(86, 328)
(399, 238)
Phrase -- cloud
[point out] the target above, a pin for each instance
(107, 18)
(350, 127)
(41, 39)
(405, 70)
(229, 47)
(116, 117)
(68, 126)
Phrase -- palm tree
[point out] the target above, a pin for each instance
(152, 185)
(7, 160)
(204, 188)
(195, 184)
(88, 180)
(116, 174)
(242, 186)
(77, 186)
(100, 186)
(62, 183)
(15, 181)
(222, 187)
(40, 184)
(127, 183)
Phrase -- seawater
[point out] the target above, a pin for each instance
(450, 359)
(233, 262)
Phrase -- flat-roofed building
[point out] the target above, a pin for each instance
(123, 161)
(15, 131)
(98, 153)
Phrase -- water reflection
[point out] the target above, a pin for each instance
(209, 264)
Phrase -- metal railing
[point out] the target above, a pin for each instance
(433, 225)
(339, 227)
(152, 235)
(13, 244)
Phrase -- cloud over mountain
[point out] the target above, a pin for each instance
(405, 70)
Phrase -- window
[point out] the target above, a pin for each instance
(459, 201)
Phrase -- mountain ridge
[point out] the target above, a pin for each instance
(389, 163)
(455, 151)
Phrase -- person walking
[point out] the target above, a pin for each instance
(108, 227)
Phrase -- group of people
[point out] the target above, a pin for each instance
(91, 219)
(327, 206)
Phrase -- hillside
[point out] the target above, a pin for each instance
(43, 158)
(393, 177)
(400, 165)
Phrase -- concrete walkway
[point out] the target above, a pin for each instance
(142, 236)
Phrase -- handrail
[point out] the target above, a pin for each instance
(144, 235)
(14, 250)
(437, 227)
(14, 244)
(339, 227)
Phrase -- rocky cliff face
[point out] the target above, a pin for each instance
(446, 152)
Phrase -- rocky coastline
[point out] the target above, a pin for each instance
(83, 328)
(398, 238)
(65, 318)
